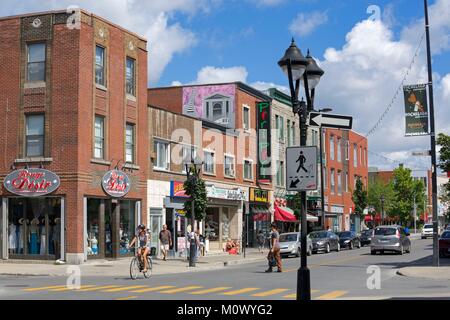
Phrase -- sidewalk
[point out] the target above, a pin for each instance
(120, 267)
(431, 273)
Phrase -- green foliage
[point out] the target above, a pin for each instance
(378, 189)
(444, 154)
(196, 187)
(359, 197)
(297, 206)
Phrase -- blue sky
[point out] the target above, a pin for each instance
(364, 59)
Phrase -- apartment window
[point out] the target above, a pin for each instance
(347, 150)
(100, 66)
(280, 173)
(36, 62)
(346, 182)
(332, 147)
(288, 126)
(229, 166)
(131, 76)
(189, 154)
(246, 118)
(339, 182)
(99, 137)
(325, 182)
(292, 142)
(355, 155)
(129, 143)
(279, 122)
(162, 159)
(339, 148)
(209, 166)
(34, 135)
(248, 172)
(332, 181)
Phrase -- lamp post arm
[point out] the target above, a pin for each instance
(308, 96)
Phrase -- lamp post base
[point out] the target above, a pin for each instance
(303, 284)
(192, 253)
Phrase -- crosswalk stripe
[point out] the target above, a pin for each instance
(95, 288)
(212, 290)
(43, 288)
(240, 291)
(181, 289)
(152, 289)
(332, 295)
(70, 288)
(127, 298)
(269, 293)
(294, 295)
(123, 288)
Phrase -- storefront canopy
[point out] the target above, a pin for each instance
(286, 214)
(369, 217)
(260, 213)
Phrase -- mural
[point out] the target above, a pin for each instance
(211, 103)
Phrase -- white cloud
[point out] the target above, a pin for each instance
(261, 85)
(305, 24)
(211, 74)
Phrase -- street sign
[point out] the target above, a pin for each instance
(327, 120)
(425, 153)
(301, 168)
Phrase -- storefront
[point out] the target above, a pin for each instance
(260, 215)
(32, 221)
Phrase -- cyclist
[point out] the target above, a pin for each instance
(143, 250)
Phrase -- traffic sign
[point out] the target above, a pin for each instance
(327, 120)
(425, 153)
(301, 168)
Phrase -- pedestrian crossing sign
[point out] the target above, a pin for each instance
(301, 168)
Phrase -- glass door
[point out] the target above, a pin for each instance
(155, 227)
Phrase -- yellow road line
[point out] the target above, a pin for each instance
(152, 289)
(269, 293)
(240, 291)
(43, 288)
(98, 288)
(332, 295)
(210, 290)
(70, 289)
(181, 289)
(123, 288)
(127, 298)
(294, 295)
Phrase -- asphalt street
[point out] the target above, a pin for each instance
(337, 275)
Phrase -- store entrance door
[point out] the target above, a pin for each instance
(155, 227)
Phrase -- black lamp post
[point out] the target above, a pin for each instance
(193, 173)
(305, 70)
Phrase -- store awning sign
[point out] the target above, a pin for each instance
(116, 183)
(177, 189)
(32, 182)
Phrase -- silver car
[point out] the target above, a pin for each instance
(290, 244)
(390, 238)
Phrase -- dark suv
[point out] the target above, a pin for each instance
(366, 237)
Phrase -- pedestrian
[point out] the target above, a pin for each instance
(166, 241)
(274, 253)
(261, 238)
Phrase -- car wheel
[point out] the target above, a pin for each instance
(422, 238)
(350, 245)
(338, 247)
(359, 245)
(381, 251)
(327, 250)
(401, 250)
(298, 253)
(373, 252)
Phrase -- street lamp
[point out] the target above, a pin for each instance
(300, 69)
(193, 173)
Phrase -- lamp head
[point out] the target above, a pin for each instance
(313, 72)
(298, 61)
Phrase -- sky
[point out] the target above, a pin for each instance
(364, 47)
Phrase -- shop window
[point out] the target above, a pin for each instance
(208, 165)
(225, 224)
(35, 135)
(162, 160)
(212, 222)
(130, 143)
(93, 218)
(99, 137)
(36, 62)
(127, 225)
(100, 66)
(131, 76)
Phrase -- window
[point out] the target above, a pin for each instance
(347, 150)
(292, 142)
(34, 135)
(209, 166)
(248, 172)
(100, 66)
(332, 147)
(229, 166)
(131, 76)
(279, 122)
(36, 62)
(99, 137)
(280, 173)
(218, 108)
(355, 155)
(332, 184)
(339, 154)
(339, 182)
(325, 185)
(346, 182)
(315, 138)
(288, 127)
(246, 118)
(189, 154)
(161, 150)
(129, 143)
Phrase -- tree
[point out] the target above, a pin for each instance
(359, 197)
(195, 186)
(378, 189)
(444, 163)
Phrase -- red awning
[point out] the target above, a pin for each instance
(283, 215)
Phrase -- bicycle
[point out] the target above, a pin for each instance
(137, 266)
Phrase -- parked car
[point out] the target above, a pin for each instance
(349, 239)
(390, 238)
(366, 237)
(290, 244)
(324, 241)
(427, 231)
(444, 244)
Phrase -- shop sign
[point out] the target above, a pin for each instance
(116, 183)
(177, 189)
(227, 194)
(264, 153)
(32, 182)
(259, 195)
(180, 213)
(337, 209)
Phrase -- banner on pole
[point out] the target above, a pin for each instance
(416, 110)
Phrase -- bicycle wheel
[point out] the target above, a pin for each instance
(134, 268)
(149, 266)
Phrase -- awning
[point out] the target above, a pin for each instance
(260, 213)
(286, 214)
(369, 217)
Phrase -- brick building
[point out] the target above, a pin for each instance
(74, 96)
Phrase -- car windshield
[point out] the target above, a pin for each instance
(318, 235)
(385, 231)
(344, 234)
(288, 237)
(428, 226)
(446, 235)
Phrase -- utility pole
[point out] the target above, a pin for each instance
(415, 214)
(433, 143)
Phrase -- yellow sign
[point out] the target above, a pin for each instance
(259, 195)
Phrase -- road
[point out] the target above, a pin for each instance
(337, 275)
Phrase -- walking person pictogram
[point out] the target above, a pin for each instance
(302, 161)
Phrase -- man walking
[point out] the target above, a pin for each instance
(274, 252)
(166, 241)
